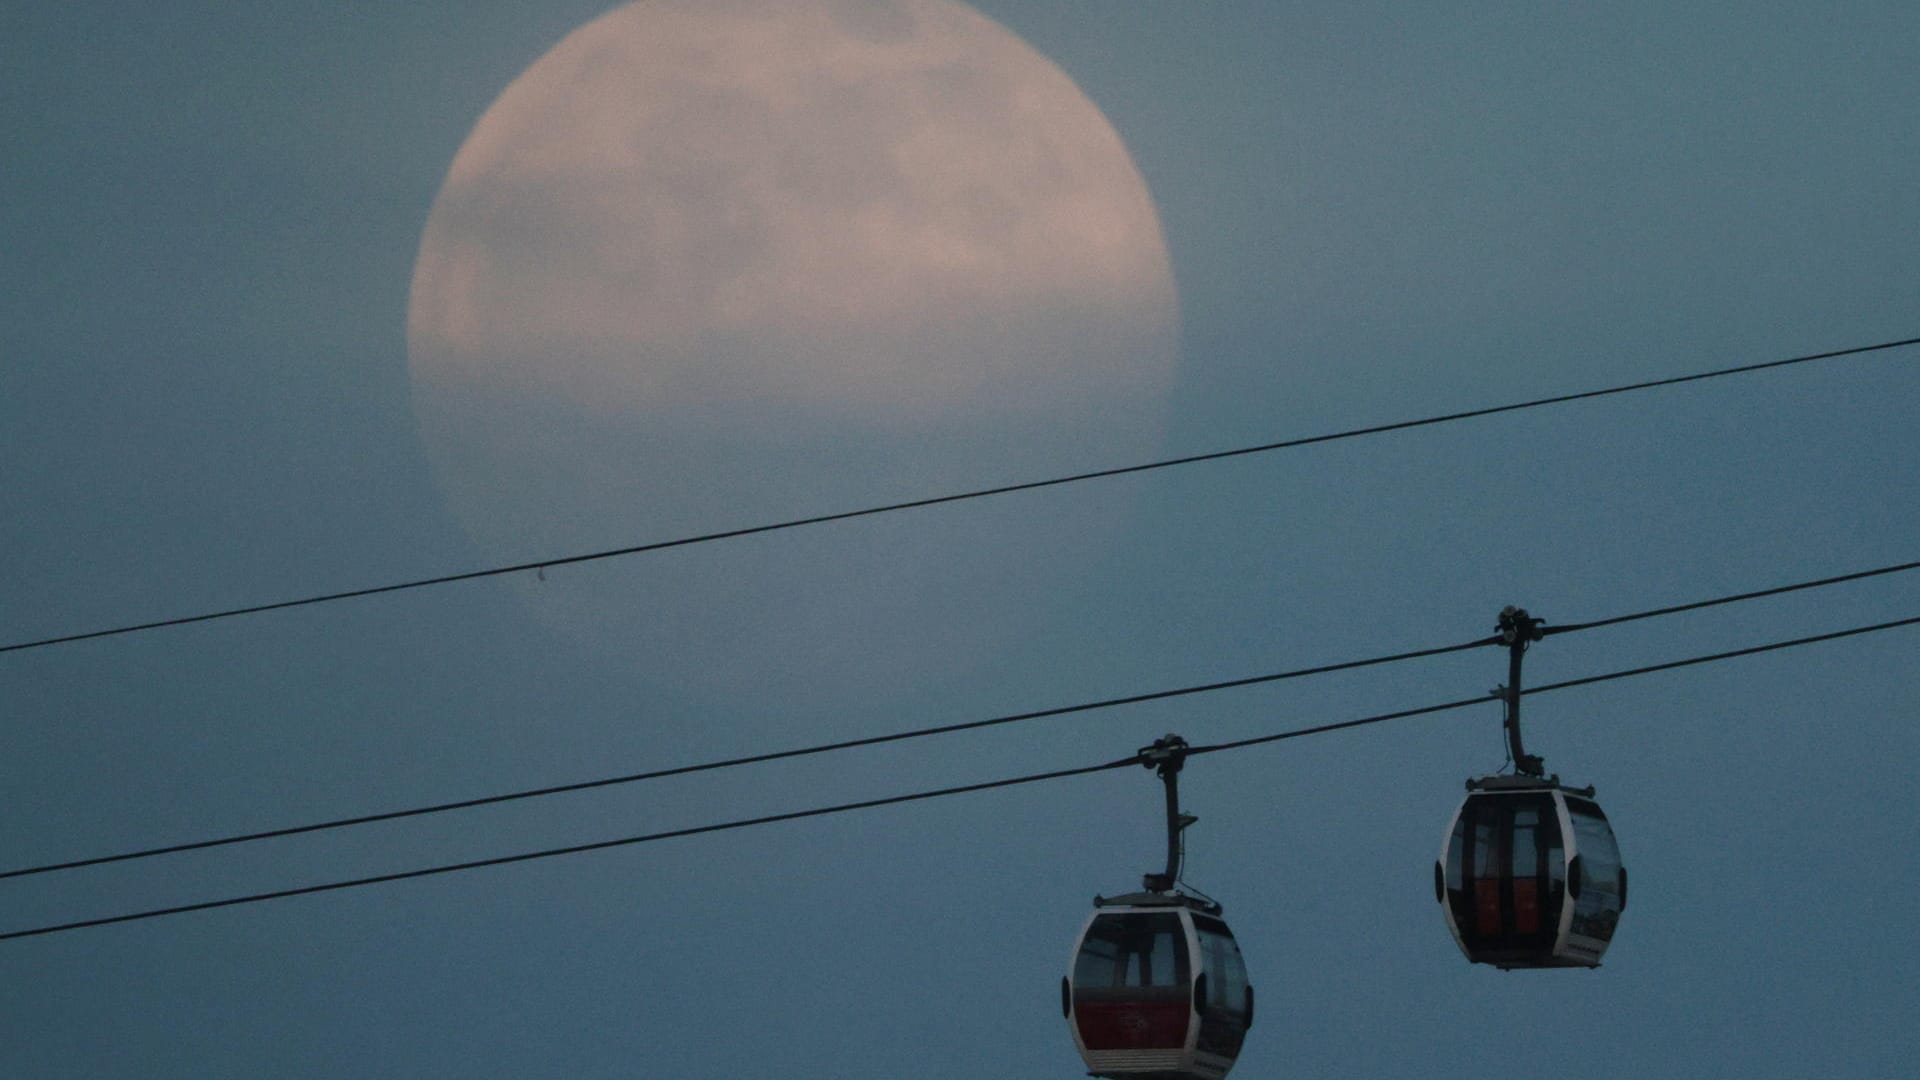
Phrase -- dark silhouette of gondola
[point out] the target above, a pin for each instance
(1157, 989)
(1529, 875)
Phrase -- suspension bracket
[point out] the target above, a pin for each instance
(1165, 757)
(1517, 630)
(1167, 754)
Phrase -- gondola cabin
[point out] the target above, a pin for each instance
(1157, 989)
(1530, 876)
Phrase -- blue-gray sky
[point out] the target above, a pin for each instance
(209, 220)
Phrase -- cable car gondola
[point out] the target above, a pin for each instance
(1157, 989)
(1529, 875)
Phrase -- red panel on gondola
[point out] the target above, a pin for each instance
(1132, 1025)
(1486, 895)
(1526, 906)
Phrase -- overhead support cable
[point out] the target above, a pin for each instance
(1545, 688)
(900, 736)
(937, 500)
(1595, 624)
(890, 800)
(750, 759)
(575, 849)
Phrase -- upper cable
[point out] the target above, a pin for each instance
(980, 493)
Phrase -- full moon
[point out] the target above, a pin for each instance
(712, 263)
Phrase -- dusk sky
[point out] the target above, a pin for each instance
(299, 299)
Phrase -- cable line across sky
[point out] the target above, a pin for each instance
(942, 729)
(980, 493)
(892, 800)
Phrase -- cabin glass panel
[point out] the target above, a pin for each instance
(1596, 913)
(1223, 1025)
(1141, 950)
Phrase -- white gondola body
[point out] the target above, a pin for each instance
(1153, 1027)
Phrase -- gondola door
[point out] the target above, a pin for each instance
(1131, 984)
(1504, 882)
